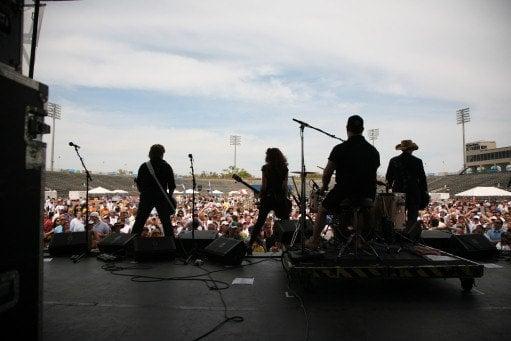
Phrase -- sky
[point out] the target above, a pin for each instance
(188, 74)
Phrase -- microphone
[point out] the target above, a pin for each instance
(71, 144)
(301, 122)
(190, 156)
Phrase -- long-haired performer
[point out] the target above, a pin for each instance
(274, 191)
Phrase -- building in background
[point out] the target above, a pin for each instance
(484, 156)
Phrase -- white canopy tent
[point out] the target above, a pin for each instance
(119, 191)
(217, 192)
(52, 194)
(234, 193)
(177, 192)
(484, 192)
(436, 196)
(76, 195)
(100, 190)
(190, 191)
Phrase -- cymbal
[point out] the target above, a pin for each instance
(298, 172)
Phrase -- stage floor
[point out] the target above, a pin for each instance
(84, 302)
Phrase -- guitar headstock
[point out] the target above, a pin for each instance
(237, 177)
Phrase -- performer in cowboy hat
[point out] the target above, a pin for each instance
(405, 174)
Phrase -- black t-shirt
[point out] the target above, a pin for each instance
(146, 183)
(275, 180)
(356, 162)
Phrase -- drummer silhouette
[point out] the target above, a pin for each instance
(355, 162)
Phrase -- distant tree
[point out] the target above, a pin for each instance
(229, 171)
(209, 175)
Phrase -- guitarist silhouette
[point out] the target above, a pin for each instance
(156, 186)
(274, 192)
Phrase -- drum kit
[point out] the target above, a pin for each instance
(386, 216)
(387, 213)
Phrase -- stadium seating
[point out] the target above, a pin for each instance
(64, 182)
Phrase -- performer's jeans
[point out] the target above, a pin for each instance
(264, 209)
(145, 207)
(412, 213)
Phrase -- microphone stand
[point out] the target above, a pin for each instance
(76, 258)
(194, 251)
(303, 174)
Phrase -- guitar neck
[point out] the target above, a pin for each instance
(249, 186)
(238, 179)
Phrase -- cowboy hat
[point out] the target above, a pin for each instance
(407, 145)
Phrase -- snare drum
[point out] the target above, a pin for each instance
(391, 206)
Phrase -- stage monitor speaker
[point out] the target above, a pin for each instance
(22, 181)
(473, 246)
(185, 242)
(438, 239)
(116, 243)
(226, 250)
(284, 230)
(70, 243)
(11, 33)
(154, 248)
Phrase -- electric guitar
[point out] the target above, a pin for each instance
(237, 178)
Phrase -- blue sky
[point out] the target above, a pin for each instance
(188, 74)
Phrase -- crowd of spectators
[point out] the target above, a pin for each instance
(491, 218)
(231, 216)
(234, 216)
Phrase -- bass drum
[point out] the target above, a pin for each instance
(392, 207)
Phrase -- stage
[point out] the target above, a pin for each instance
(84, 302)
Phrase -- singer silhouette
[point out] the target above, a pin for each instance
(151, 195)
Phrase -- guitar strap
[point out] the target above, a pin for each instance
(165, 194)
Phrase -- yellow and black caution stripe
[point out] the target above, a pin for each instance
(431, 271)
(348, 272)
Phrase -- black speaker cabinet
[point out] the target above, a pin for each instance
(185, 242)
(23, 153)
(473, 246)
(11, 33)
(117, 243)
(71, 243)
(226, 250)
(154, 248)
(438, 239)
(284, 230)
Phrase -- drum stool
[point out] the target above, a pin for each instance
(358, 207)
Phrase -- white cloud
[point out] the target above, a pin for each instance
(449, 50)
(82, 61)
(301, 58)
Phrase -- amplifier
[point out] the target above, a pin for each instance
(116, 242)
(474, 246)
(185, 243)
(284, 230)
(70, 243)
(438, 239)
(154, 248)
(226, 250)
(22, 107)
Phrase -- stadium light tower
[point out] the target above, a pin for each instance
(54, 113)
(373, 134)
(462, 117)
(235, 141)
